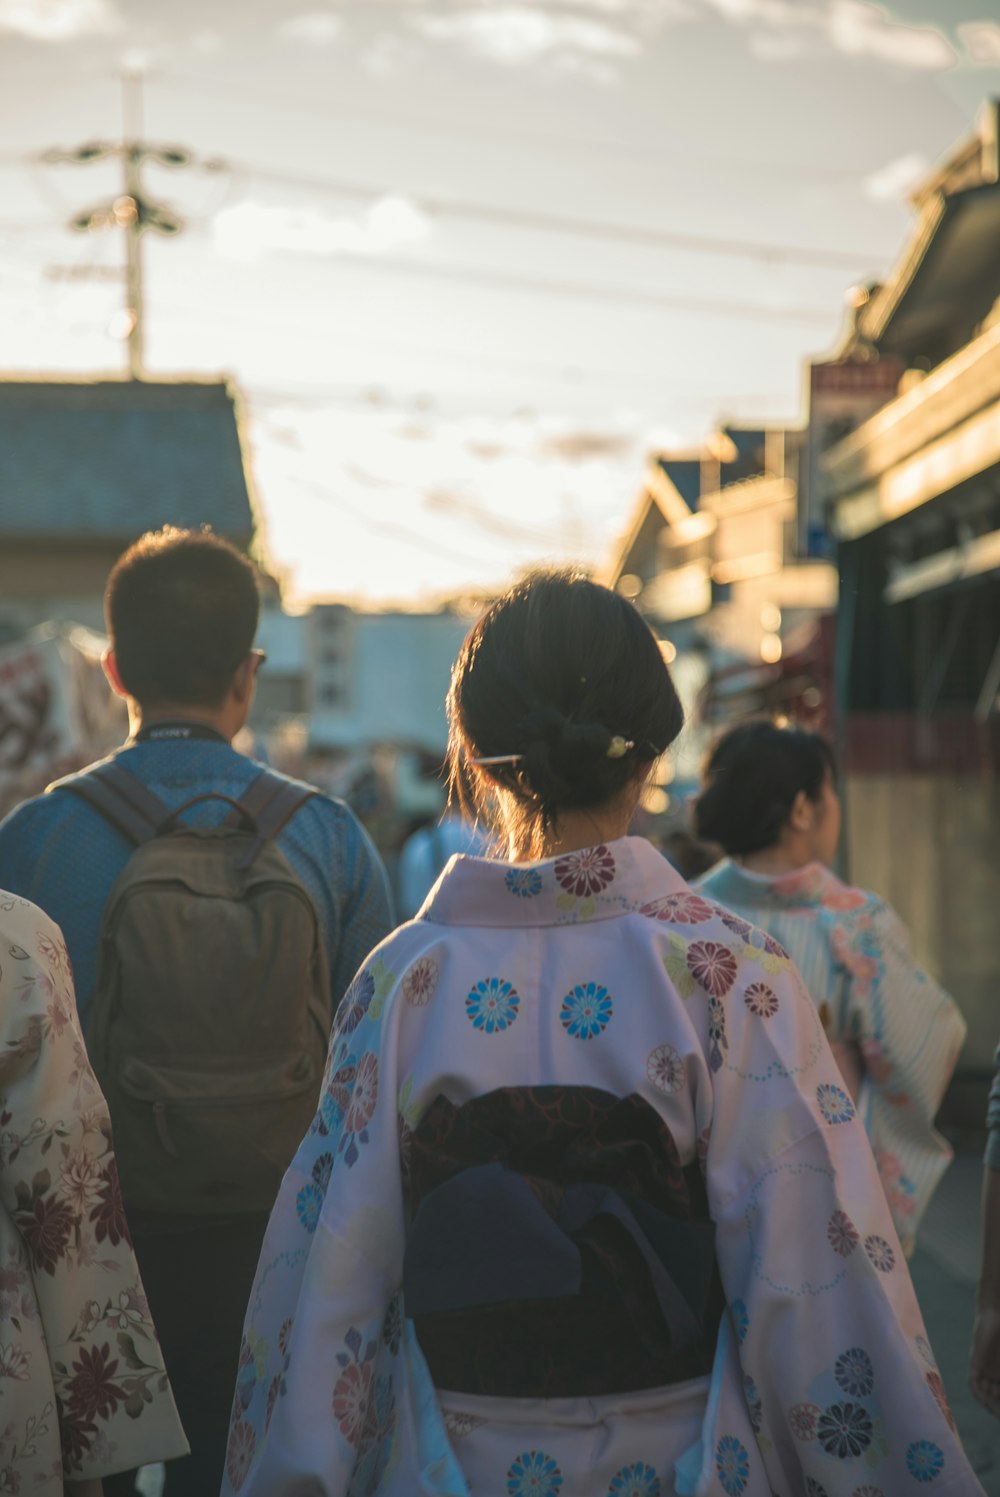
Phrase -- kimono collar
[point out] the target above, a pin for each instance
(812, 886)
(596, 883)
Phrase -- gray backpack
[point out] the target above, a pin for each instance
(209, 1026)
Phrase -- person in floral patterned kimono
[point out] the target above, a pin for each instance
(770, 800)
(83, 1392)
(586, 1210)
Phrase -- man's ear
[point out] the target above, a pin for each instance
(243, 681)
(110, 664)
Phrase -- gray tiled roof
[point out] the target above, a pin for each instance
(110, 459)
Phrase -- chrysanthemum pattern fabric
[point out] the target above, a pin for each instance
(599, 969)
(83, 1392)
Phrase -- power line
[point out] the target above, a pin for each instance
(578, 228)
(702, 306)
(376, 521)
(402, 406)
(575, 290)
(532, 140)
(570, 374)
(582, 291)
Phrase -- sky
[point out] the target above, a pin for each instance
(468, 263)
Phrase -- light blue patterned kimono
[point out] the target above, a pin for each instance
(894, 1031)
(600, 969)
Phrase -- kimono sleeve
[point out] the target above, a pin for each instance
(910, 1032)
(830, 1357)
(330, 1381)
(84, 1329)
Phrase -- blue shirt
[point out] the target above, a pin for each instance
(61, 853)
(424, 855)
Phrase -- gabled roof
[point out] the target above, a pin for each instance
(674, 492)
(106, 460)
(733, 453)
(948, 274)
(658, 505)
(685, 475)
(945, 282)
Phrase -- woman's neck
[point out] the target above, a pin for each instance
(575, 830)
(773, 861)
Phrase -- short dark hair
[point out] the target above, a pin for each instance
(750, 780)
(181, 609)
(554, 671)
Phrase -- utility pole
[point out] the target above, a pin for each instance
(129, 206)
(131, 211)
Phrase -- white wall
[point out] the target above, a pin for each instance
(381, 677)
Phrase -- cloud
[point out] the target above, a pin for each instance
(862, 30)
(893, 181)
(250, 230)
(583, 446)
(771, 12)
(778, 46)
(314, 28)
(58, 20)
(389, 55)
(516, 34)
(781, 30)
(645, 14)
(654, 9)
(981, 40)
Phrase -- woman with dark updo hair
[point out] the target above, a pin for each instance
(769, 798)
(585, 1210)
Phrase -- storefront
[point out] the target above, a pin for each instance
(914, 495)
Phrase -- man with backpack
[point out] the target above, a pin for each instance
(215, 913)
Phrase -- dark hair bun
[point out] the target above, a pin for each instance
(728, 816)
(750, 782)
(551, 674)
(558, 754)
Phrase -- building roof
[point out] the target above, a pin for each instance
(946, 282)
(685, 475)
(948, 275)
(109, 459)
(740, 453)
(658, 505)
(675, 487)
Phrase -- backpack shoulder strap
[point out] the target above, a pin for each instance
(120, 797)
(272, 801)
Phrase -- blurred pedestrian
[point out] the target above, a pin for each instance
(689, 854)
(585, 1208)
(231, 907)
(769, 798)
(984, 1367)
(83, 1393)
(425, 853)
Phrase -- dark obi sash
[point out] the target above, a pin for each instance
(556, 1246)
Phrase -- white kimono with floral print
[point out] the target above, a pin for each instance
(83, 1392)
(600, 969)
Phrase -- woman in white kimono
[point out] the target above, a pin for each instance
(585, 1210)
(83, 1393)
(770, 800)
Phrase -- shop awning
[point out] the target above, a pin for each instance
(957, 567)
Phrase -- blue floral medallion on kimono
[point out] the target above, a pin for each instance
(595, 978)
